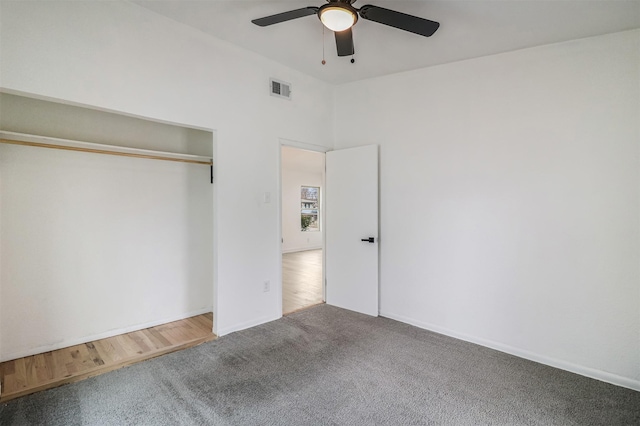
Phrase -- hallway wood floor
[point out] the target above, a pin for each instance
(301, 280)
(34, 373)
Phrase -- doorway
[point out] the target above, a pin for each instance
(302, 219)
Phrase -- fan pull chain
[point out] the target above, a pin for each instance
(323, 61)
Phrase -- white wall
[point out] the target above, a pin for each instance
(510, 200)
(119, 56)
(294, 239)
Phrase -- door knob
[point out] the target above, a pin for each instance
(369, 240)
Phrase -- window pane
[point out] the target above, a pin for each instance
(309, 205)
(310, 222)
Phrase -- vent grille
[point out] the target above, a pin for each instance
(280, 88)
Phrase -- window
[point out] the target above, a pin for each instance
(309, 203)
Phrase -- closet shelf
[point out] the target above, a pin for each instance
(14, 138)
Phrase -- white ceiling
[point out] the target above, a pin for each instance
(302, 160)
(468, 29)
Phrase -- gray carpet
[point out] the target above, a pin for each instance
(326, 366)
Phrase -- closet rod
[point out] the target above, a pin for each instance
(102, 151)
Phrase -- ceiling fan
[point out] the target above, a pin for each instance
(339, 16)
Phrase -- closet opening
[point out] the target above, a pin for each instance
(106, 230)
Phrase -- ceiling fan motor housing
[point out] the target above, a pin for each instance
(340, 6)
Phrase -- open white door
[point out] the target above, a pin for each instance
(351, 219)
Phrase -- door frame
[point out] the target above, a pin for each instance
(282, 142)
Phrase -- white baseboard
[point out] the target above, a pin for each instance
(80, 340)
(248, 324)
(593, 373)
(305, 248)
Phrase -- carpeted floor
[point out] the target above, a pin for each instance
(328, 366)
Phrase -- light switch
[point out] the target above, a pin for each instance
(267, 197)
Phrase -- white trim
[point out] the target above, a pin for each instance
(214, 264)
(279, 292)
(247, 324)
(303, 145)
(91, 338)
(593, 373)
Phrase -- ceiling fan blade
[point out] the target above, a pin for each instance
(285, 16)
(399, 20)
(344, 42)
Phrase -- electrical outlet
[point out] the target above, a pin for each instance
(267, 286)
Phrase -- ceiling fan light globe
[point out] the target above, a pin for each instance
(338, 18)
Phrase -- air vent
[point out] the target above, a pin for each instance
(280, 88)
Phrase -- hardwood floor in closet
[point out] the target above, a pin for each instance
(301, 280)
(34, 373)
